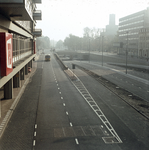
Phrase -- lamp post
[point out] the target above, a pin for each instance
(89, 50)
(102, 48)
(126, 51)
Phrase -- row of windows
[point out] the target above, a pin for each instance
(130, 29)
(21, 45)
(144, 30)
(131, 18)
(132, 23)
(144, 38)
(125, 34)
(131, 39)
(144, 45)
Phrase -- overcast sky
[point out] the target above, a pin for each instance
(63, 17)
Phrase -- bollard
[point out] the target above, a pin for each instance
(73, 66)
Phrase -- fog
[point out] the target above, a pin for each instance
(63, 17)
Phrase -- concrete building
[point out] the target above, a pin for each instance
(111, 29)
(134, 33)
(17, 41)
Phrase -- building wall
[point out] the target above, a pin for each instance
(111, 29)
(23, 39)
(129, 32)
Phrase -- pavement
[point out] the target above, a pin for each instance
(7, 106)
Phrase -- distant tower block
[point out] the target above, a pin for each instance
(111, 29)
(112, 19)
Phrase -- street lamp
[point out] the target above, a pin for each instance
(126, 50)
(89, 49)
(102, 49)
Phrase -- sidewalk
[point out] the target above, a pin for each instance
(7, 106)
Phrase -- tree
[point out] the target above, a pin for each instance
(59, 44)
(43, 42)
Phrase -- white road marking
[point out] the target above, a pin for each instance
(66, 113)
(35, 126)
(78, 85)
(64, 104)
(34, 143)
(58, 88)
(147, 91)
(71, 124)
(60, 93)
(57, 84)
(61, 97)
(76, 141)
(35, 133)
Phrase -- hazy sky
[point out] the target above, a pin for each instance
(63, 17)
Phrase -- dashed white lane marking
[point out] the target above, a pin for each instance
(66, 113)
(61, 97)
(71, 124)
(147, 91)
(35, 133)
(34, 142)
(139, 87)
(57, 84)
(76, 141)
(60, 93)
(35, 126)
(58, 88)
(64, 104)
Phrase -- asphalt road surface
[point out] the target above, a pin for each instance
(53, 114)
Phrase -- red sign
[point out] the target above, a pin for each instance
(6, 59)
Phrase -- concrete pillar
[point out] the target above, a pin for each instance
(22, 73)
(26, 69)
(8, 89)
(31, 63)
(16, 80)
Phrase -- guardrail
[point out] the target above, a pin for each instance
(63, 66)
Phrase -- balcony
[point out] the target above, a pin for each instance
(37, 1)
(17, 9)
(37, 32)
(37, 15)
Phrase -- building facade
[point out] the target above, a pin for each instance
(17, 41)
(133, 33)
(111, 29)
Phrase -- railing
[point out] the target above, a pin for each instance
(21, 47)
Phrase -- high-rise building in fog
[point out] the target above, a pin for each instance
(134, 30)
(111, 29)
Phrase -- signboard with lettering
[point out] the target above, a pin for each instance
(6, 58)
